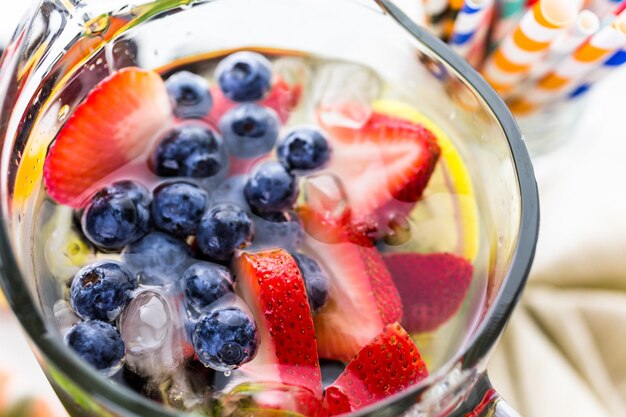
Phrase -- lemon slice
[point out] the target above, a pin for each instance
(446, 219)
(65, 251)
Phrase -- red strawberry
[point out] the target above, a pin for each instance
(385, 165)
(272, 286)
(283, 98)
(388, 364)
(114, 125)
(432, 287)
(362, 298)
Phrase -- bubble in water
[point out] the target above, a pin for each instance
(344, 94)
(63, 111)
(152, 328)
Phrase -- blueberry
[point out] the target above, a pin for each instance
(205, 283)
(178, 207)
(249, 130)
(225, 339)
(231, 191)
(158, 258)
(271, 188)
(315, 279)
(278, 230)
(117, 215)
(223, 230)
(97, 343)
(191, 94)
(100, 291)
(190, 150)
(244, 76)
(304, 149)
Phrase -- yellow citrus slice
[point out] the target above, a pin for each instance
(446, 219)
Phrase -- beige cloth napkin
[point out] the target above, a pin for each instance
(564, 352)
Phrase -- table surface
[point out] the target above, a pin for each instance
(581, 248)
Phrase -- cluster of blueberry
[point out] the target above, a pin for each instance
(183, 235)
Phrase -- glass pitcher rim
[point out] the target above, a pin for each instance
(477, 348)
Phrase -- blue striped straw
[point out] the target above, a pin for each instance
(614, 62)
(467, 33)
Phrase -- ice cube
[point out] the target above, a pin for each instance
(152, 327)
(325, 195)
(65, 316)
(279, 230)
(344, 93)
(292, 70)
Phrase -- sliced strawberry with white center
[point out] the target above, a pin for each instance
(387, 365)
(362, 297)
(115, 124)
(385, 165)
(273, 287)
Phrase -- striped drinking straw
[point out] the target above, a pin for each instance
(616, 60)
(512, 61)
(587, 23)
(454, 7)
(509, 13)
(604, 7)
(435, 11)
(467, 33)
(562, 80)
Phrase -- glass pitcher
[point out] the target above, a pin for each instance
(65, 47)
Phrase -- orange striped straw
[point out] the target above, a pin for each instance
(528, 43)
(452, 12)
(587, 23)
(563, 79)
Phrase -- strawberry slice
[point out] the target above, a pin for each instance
(283, 98)
(115, 124)
(388, 364)
(385, 165)
(272, 286)
(432, 287)
(362, 298)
